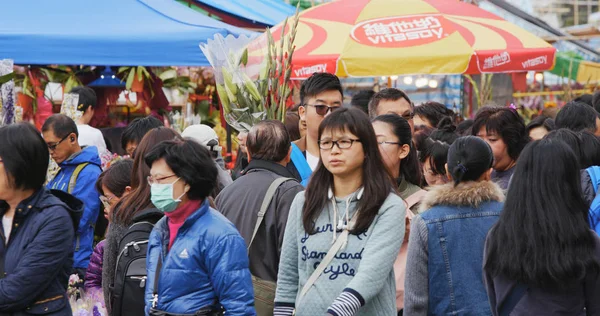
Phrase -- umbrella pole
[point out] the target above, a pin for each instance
(389, 82)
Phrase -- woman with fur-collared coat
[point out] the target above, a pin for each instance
(445, 250)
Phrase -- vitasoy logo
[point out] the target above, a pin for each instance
(402, 31)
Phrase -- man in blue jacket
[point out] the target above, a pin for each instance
(79, 171)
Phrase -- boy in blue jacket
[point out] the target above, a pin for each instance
(79, 171)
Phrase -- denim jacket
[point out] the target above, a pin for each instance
(445, 251)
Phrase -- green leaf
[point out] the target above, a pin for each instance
(129, 82)
(123, 69)
(6, 78)
(168, 75)
(140, 74)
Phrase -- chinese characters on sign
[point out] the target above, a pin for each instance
(496, 60)
(417, 30)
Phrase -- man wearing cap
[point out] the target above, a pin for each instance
(207, 137)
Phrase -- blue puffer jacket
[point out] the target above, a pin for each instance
(206, 267)
(85, 190)
(39, 255)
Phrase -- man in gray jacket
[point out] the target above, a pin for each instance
(269, 151)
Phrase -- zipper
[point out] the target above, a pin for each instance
(142, 280)
(125, 250)
(77, 243)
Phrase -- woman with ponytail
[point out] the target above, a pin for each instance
(445, 249)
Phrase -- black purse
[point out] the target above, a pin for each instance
(156, 312)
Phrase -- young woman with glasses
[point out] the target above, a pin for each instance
(350, 211)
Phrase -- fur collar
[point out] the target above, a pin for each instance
(465, 194)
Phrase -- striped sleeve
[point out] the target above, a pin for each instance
(347, 304)
(284, 309)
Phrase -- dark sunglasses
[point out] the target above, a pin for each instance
(322, 109)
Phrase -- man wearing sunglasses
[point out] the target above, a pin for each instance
(79, 171)
(393, 101)
(320, 95)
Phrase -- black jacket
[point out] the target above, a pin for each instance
(38, 258)
(240, 203)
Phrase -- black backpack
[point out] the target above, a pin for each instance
(130, 273)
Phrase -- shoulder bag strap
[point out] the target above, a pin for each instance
(265, 205)
(515, 295)
(415, 198)
(156, 276)
(341, 240)
(73, 179)
(301, 164)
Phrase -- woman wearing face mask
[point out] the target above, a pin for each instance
(504, 130)
(113, 184)
(348, 210)
(135, 207)
(445, 250)
(394, 139)
(197, 261)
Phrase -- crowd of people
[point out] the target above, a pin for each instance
(380, 208)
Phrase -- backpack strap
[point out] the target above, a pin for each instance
(265, 205)
(594, 172)
(414, 198)
(515, 295)
(73, 179)
(301, 164)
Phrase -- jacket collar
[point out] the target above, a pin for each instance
(268, 165)
(190, 220)
(471, 194)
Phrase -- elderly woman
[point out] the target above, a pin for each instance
(197, 261)
(38, 228)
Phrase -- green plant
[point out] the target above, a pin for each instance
(483, 91)
(181, 83)
(130, 74)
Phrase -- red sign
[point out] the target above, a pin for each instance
(503, 61)
(404, 31)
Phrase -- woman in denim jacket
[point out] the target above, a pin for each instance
(445, 249)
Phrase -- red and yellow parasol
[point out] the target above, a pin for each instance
(364, 38)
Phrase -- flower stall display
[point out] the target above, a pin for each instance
(246, 100)
(7, 93)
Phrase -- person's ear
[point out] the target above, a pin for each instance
(488, 175)
(404, 151)
(448, 174)
(73, 138)
(302, 112)
(127, 190)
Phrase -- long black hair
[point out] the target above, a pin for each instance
(410, 168)
(437, 145)
(469, 157)
(377, 183)
(590, 149)
(543, 237)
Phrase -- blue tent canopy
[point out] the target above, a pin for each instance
(106, 32)
(262, 12)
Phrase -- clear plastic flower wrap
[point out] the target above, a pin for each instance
(7, 94)
(252, 93)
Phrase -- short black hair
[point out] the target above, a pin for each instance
(541, 121)
(596, 101)
(585, 98)
(186, 158)
(116, 178)
(507, 123)
(590, 149)
(464, 128)
(25, 156)
(577, 116)
(61, 125)
(361, 99)
(317, 83)
(87, 98)
(390, 94)
(137, 129)
(568, 137)
(434, 112)
(268, 140)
